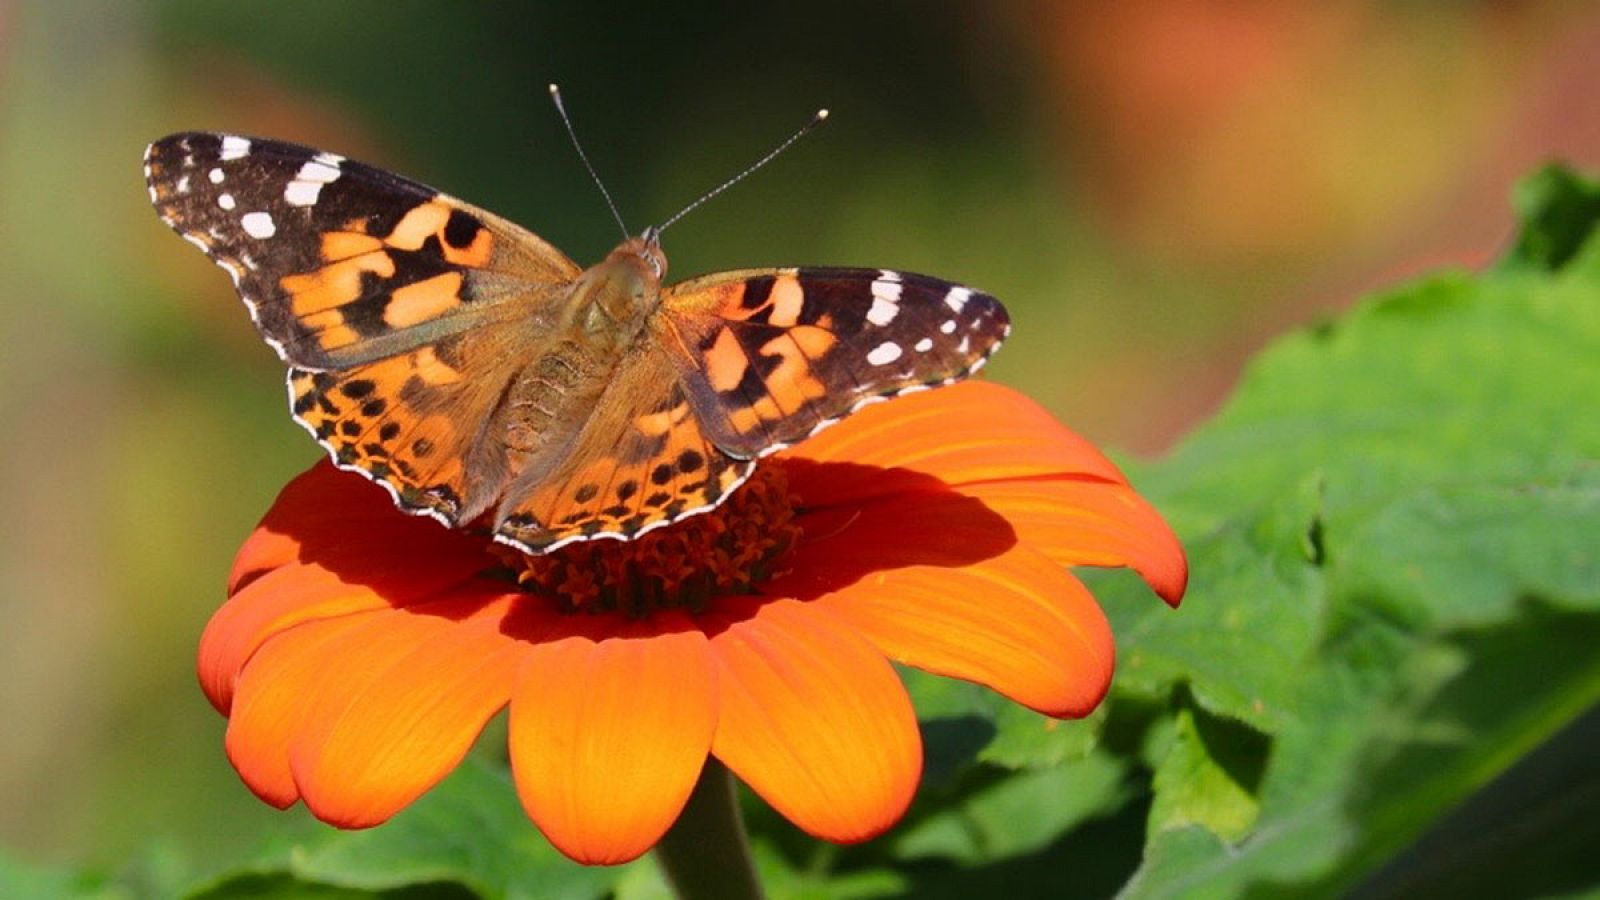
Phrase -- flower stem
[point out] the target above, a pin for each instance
(705, 853)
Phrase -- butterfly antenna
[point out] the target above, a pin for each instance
(816, 120)
(555, 94)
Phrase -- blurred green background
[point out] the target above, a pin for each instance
(1153, 188)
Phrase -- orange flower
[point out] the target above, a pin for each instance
(361, 650)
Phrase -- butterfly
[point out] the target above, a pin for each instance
(486, 380)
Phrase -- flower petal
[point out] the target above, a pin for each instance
(404, 695)
(1017, 623)
(611, 721)
(1091, 523)
(270, 703)
(267, 605)
(348, 525)
(970, 432)
(840, 546)
(332, 544)
(813, 718)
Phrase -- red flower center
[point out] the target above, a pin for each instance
(729, 550)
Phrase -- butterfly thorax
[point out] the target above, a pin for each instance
(604, 315)
(611, 301)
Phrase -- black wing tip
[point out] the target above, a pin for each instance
(185, 140)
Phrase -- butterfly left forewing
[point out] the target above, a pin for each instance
(341, 263)
(401, 311)
(768, 357)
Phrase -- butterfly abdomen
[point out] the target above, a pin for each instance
(546, 399)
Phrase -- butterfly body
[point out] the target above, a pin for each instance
(486, 380)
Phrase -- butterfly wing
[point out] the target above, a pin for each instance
(416, 423)
(642, 460)
(768, 357)
(396, 306)
(342, 263)
(735, 366)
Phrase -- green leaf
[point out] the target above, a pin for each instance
(1017, 815)
(468, 836)
(1253, 612)
(1559, 209)
(964, 724)
(288, 887)
(1207, 777)
(1395, 576)
(25, 882)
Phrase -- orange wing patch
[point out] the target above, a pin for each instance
(336, 284)
(725, 361)
(368, 284)
(462, 242)
(790, 381)
(423, 300)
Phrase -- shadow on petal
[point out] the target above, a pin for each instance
(917, 521)
(339, 523)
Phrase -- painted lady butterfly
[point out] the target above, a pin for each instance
(477, 373)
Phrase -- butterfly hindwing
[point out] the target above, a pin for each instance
(770, 356)
(415, 423)
(342, 263)
(641, 460)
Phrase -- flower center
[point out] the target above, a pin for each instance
(729, 550)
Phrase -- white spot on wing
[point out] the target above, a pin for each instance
(308, 182)
(957, 298)
(885, 295)
(183, 184)
(234, 147)
(302, 193)
(258, 225)
(317, 170)
(885, 353)
(924, 345)
(225, 201)
(215, 175)
(949, 326)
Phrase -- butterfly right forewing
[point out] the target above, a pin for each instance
(769, 357)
